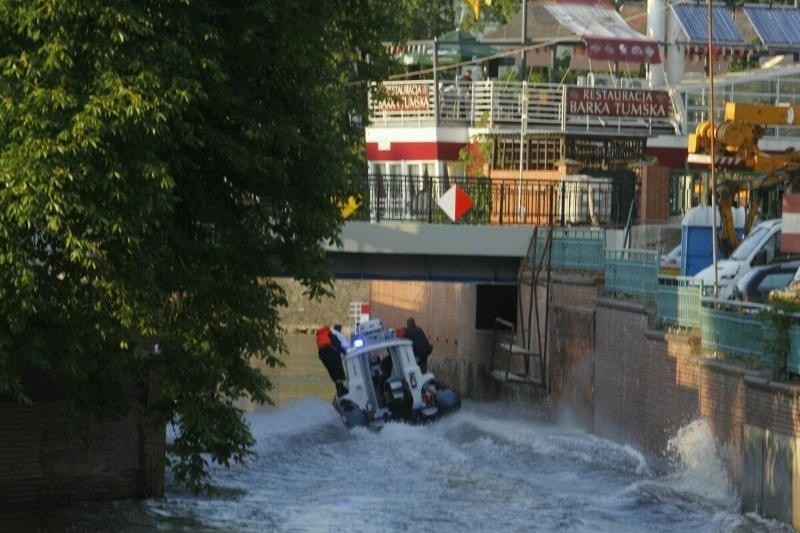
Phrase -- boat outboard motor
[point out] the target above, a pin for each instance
(447, 401)
(394, 390)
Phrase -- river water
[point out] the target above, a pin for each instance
(486, 468)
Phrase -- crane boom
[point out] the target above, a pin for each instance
(736, 142)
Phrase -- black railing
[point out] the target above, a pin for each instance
(571, 201)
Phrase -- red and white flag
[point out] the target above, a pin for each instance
(455, 202)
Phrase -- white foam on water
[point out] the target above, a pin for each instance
(483, 468)
(699, 468)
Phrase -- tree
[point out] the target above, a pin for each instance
(495, 12)
(161, 161)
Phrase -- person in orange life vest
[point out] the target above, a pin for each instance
(422, 348)
(330, 353)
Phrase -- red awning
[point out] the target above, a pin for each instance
(618, 49)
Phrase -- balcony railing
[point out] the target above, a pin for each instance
(513, 105)
(575, 201)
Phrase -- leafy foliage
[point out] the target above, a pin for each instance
(778, 318)
(160, 161)
(496, 12)
(430, 18)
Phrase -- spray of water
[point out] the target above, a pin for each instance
(699, 468)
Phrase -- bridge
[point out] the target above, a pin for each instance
(399, 232)
(399, 250)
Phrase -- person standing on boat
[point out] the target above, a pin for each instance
(345, 344)
(422, 348)
(330, 353)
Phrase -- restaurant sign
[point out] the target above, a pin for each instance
(405, 97)
(610, 102)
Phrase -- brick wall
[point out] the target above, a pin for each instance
(648, 384)
(49, 458)
(773, 405)
(50, 455)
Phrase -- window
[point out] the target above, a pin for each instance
(539, 153)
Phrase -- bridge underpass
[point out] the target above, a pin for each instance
(430, 252)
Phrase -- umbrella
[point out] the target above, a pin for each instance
(454, 46)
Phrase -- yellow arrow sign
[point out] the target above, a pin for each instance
(349, 207)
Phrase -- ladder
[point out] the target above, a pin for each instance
(513, 351)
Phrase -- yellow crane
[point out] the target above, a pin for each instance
(736, 145)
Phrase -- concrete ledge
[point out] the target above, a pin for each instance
(573, 278)
(758, 380)
(392, 237)
(622, 305)
(691, 339)
(731, 369)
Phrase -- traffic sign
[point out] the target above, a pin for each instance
(349, 207)
(455, 202)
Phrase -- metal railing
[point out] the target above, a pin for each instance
(793, 360)
(572, 249)
(520, 105)
(579, 201)
(735, 329)
(725, 327)
(678, 302)
(632, 272)
(501, 104)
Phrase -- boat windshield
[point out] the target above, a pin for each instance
(748, 246)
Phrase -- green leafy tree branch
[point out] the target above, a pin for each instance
(161, 161)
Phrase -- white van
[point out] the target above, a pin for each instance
(760, 247)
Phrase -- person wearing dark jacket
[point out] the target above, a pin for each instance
(422, 348)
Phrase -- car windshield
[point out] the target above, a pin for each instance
(748, 246)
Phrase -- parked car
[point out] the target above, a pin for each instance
(755, 285)
(760, 247)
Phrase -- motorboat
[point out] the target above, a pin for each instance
(385, 383)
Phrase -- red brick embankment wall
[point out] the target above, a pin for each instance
(48, 458)
(648, 384)
(51, 455)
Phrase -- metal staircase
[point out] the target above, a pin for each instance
(516, 348)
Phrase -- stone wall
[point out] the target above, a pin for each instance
(304, 314)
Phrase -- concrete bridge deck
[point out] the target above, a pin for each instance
(430, 252)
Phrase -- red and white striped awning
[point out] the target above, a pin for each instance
(790, 223)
